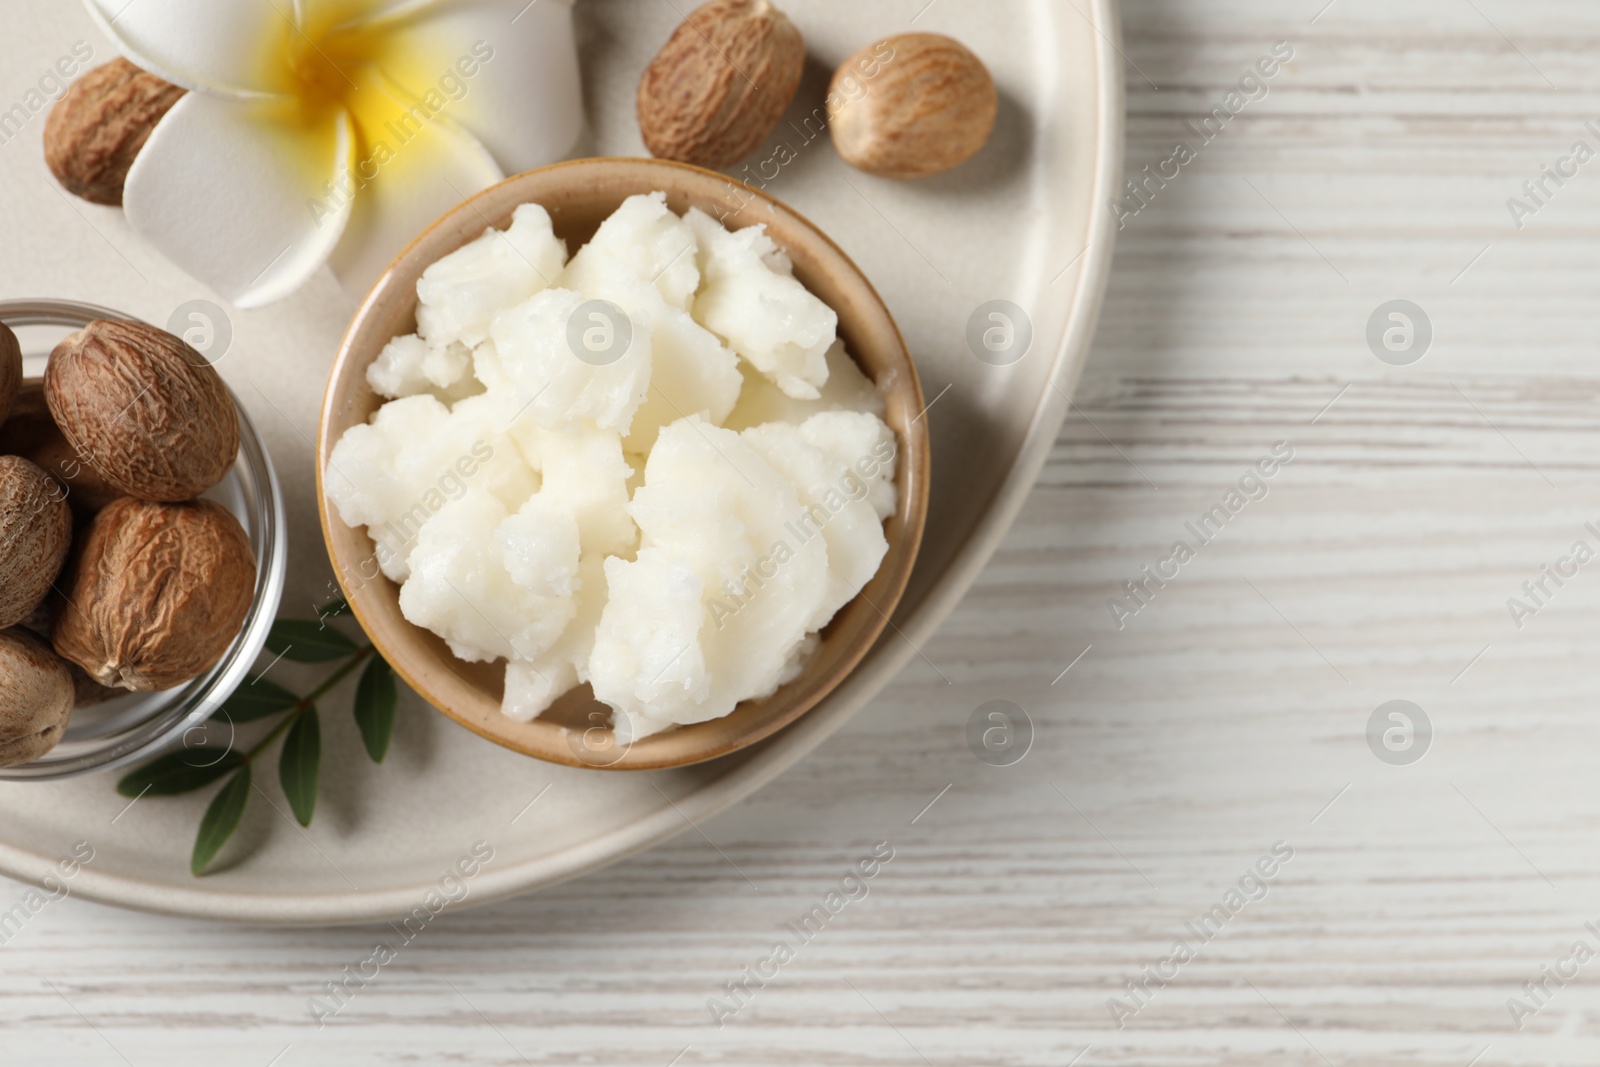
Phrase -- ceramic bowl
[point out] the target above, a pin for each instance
(579, 195)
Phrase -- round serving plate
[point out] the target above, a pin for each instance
(994, 272)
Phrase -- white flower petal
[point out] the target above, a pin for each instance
(371, 12)
(505, 70)
(403, 189)
(238, 197)
(230, 47)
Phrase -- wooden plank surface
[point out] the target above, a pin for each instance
(1227, 715)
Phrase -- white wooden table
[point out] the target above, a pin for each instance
(1229, 714)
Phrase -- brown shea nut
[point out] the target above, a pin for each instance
(35, 533)
(32, 434)
(930, 108)
(97, 128)
(721, 82)
(142, 408)
(86, 691)
(36, 697)
(155, 594)
(10, 371)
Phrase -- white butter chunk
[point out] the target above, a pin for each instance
(460, 295)
(408, 365)
(586, 475)
(532, 685)
(551, 382)
(647, 241)
(692, 371)
(647, 663)
(847, 389)
(841, 465)
(763, 314)
(397, 472)
(694, 374)
(461, 590)
(539, 547)
(719, 575)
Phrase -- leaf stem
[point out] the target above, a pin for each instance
(307, 701)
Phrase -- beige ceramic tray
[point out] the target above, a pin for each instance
(1025, 222)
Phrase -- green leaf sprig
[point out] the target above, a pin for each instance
(300, 756)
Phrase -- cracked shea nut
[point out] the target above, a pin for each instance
(100, 124)
(720, 83)
(156, 593)
(930, 108)
(143, 409)
(35, 533)
(10, 371)
(36, 697)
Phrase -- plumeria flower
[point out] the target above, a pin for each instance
(334, 131)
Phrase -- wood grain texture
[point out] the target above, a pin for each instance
(1227, 715)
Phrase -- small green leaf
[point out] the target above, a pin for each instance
(179, 772)
(256, 699)
(220, 821)
(299, 763)
(375, 704)
(309, 641)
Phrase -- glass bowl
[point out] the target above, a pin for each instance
(131, 728)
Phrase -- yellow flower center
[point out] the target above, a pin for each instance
(339, 62)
